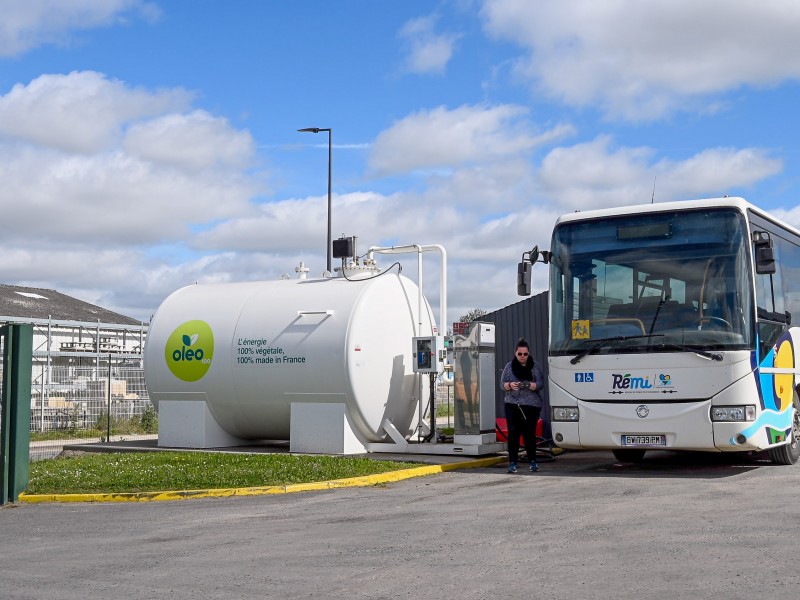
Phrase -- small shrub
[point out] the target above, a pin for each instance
(74, 421)
(102, 421)
(149, 420)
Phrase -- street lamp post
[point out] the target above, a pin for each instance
(330, 240)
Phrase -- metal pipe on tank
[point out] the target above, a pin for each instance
(419, 295)
(419, 249)
(443, 274)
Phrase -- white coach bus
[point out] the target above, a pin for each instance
(671, 327)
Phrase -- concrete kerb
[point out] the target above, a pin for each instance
(368, 480)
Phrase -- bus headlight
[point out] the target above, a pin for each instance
(733, 413)
(565, 413)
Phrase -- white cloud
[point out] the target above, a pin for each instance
(789, 215)
(80, 112)
(284, 226)
(594, 174)
(89, 163)
(642, 60)
(439, 137)
(718, 171)
(429, 52)
(110, 198)
(109, 187)
(26, 24)
(488, 188)
(192, 141)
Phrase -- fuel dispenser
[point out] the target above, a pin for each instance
(474, 389)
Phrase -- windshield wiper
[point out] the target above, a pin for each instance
(702, 353)
(604, 341)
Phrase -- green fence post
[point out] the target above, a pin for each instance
(16, 417)
(4, 415)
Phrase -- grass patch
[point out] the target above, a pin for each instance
(61, 434)
(165, 471)
(144, 424)
(444, 409)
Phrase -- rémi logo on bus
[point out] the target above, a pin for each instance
(189, 350)
(627, 382)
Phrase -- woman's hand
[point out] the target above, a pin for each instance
(514, 386)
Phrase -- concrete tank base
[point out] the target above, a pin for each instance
(316, 428)
(322, 428)
(439, 448)
(190, 424)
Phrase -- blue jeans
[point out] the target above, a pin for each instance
(521, 420)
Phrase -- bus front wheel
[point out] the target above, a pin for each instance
(628, 455)
(789, 453)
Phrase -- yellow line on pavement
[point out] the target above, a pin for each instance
(366, 480)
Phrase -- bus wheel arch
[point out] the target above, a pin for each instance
(789, 453)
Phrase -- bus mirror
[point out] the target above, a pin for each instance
(524, 278)
(765, 254)
(765, 260)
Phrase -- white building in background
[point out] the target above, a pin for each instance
(68, 332)
(78, 348)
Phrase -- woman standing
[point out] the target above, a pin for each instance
(522, 381)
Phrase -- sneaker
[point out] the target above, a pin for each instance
(534, 467)
(512, 467)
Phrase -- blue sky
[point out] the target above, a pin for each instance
(147, 145)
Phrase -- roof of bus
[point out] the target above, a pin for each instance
(580, 215)
(735, 202)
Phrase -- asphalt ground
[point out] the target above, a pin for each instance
(585, 526)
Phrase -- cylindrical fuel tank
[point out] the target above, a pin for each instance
(251, 349)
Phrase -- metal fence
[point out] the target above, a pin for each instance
(72, 405)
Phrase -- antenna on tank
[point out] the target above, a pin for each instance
(653, 197)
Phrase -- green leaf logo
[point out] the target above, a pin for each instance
(186, 358)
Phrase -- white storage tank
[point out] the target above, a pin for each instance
(252, 349)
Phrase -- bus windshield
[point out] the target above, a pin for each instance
(652, 282)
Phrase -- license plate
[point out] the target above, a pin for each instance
(644, 440)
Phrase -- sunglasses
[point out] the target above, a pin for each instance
(522, 354)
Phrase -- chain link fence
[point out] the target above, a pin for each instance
(72, 405)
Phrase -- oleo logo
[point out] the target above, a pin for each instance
(189, 350)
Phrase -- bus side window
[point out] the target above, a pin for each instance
(789, 266)
(768, 334)
(771, 312)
